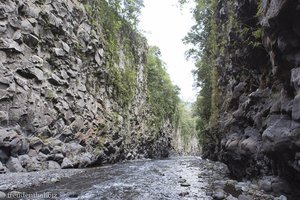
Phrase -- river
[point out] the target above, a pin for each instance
(187, 178)
(173, 178)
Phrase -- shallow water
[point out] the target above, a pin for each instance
(145, 180)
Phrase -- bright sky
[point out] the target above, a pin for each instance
(165, 25)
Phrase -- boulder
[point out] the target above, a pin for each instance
(53, 165)
(13, 164)
(67, 163)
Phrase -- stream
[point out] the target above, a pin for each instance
(173, 178)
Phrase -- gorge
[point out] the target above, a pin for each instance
(81, 88)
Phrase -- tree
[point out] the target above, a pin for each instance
(163, 95)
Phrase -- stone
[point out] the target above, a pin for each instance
(13, 164)
(282, 197)
(37, 61)
(279, 128)
(53, 165)
(36, 143)
(230, 197)
(54, 180)
(295, 79)
(185, 184)
(85, 160)
(55, 80)
(26, 26)
(296, 108)
(65, 47)
(66, 163)
(14, 22)
(31, 40)
(281, 186)
(9, 44)
(219, 194)
(273, 10)
(182, 194)
(59, 52)
(3, 27)
(181, 181)
(3, 169)
(244, 197)
(2, 195)
(265, 185)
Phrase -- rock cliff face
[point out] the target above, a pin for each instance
(60, 105)
(259, 112)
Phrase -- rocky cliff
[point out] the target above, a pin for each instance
(258, 128)
(70, 96)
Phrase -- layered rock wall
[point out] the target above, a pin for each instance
(59, 103)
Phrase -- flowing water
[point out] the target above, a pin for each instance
(173, 178)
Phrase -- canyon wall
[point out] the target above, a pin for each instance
(65, 99)
(258, 128)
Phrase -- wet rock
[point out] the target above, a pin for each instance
(182, 194)
(36, 143)
(232, 189)
(296, 108)
(219, 194)
(73, 195)
(185, 184)
(85, 160)
(281, 186)
(181, 181)
(53, 165)
(54, 180)
(265, 185)
(2, 195)
(244, 197)
(2, 168)
(231, 198)
(282, 197)
(66, 163)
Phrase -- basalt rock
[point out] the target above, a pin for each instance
(259, 128)
(59, 106)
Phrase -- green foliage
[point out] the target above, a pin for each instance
(163, 95)
(128, 9)
(209, 44)
(124, 81)
(187, 123)
(115, 21)
(216, 38)
(214, 98)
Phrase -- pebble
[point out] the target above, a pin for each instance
(282, 197)
(185, 184)
(181, 180)
(219, 194)
(230, 197)
(73, 195)
(182, 194)
(54, 180)
(244, 197)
